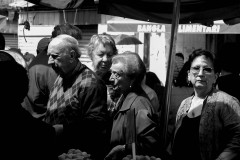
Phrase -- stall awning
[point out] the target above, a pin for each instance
(21, 4)
(161, 11)
(59, 4)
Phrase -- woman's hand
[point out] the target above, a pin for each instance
(118, 152)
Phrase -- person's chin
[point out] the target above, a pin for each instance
(103, 69)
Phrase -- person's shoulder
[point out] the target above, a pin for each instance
(89, 77)
(89, 74)
(40, 59)
(149, 91)
(139, 101)
(225, 102)
(186, 101)
(40, 70)
(222, 96)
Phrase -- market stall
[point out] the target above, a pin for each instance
(189, 13)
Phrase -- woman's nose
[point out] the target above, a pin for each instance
(50, 60)
(111, 78)
(201, 72)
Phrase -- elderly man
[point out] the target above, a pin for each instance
(77, 102)
(41, 74)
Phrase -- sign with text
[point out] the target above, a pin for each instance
(182, 28)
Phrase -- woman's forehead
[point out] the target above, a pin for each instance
(117, 66)
(202, 60)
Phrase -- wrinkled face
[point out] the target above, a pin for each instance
(102, 56)
(202, 74)
(118, 77)
(59, 59)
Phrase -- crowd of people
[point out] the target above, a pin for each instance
(57, 103)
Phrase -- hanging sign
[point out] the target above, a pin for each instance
(166, 28)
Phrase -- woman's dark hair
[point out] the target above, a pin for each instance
(67, 28)
(201, 52)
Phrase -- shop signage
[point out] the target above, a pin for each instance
(151, 28)
(194, 28)
(166, 28)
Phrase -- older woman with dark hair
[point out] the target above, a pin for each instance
(208, 122)
(128, 71)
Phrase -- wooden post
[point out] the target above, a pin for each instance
(169, 79)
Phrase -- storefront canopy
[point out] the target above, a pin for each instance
(161, 11)
(58, 4)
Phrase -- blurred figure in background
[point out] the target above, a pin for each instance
(22, 136)
(179, 62)
(42, 44)
(154, 82)
(181, 89)
(152, 95)
(41, 74)
(28, 58)
(229, 80)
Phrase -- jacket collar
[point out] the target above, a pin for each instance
(128, 101)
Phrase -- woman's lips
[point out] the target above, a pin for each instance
(201, 81)
(115, 88)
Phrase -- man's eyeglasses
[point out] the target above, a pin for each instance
(54, 56)
(206, 70)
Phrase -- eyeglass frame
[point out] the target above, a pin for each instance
(116, 75)
(196, 70)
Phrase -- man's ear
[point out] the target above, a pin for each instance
(216, 76)
(72, 54)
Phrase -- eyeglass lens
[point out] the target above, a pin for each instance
(205, 69)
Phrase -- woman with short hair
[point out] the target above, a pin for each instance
(127, 73)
